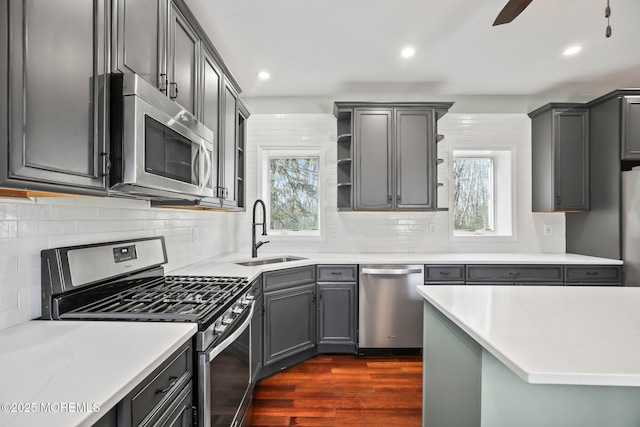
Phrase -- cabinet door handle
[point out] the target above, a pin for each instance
(173, 381)
(174, 90)
(163, 83)
(558, 200)
(106, 164)
(389, 198)
(398, 198)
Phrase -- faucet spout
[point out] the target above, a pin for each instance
(254, 245)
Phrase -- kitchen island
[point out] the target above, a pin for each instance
(504, 356)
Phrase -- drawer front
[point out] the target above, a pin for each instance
(177, 413)
(610, 274)
(337, 273)
(171, 377)
(514, 273)
(289, 277)
(443, 273)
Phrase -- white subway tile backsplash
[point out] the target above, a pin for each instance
(406, 232)
(28, 226)
(8, 229)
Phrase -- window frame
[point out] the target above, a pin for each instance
(504, 184)
(265, 153)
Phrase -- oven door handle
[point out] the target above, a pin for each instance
(211, 354)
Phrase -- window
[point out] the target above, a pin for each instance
(481, 199)
(473, 193)
(293, 193)
(291, 189)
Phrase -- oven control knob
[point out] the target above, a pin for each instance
(246, 300)
(218, 329)
(237, 309)
(226, 320)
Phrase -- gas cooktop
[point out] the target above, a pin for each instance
(125, 281)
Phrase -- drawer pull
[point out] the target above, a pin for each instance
(337, 273)
(514, 273)
(173, 382)
(445, 273)
(592, 273)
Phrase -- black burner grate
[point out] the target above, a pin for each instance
(170, 298)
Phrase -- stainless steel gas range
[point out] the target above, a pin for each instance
(125, 281)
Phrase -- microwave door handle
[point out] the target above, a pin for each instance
(195, 160)
(209, 168)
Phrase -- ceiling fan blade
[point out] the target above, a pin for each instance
(510, 11)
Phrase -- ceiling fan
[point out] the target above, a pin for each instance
(510, 11)
(513, 8)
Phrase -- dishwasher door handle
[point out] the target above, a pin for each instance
(391, 271)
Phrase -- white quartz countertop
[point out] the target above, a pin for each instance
(226, 265)
(551, 334)
(68, 373)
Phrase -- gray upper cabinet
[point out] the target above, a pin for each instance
(560, 158)
(183, 61)
(210, 90)
(630, 127)
(228, 147)
(415, 172)
(231, 149)
(374, 157)
(53, 95)
(393, 157)
(139, 39)
(614, 146)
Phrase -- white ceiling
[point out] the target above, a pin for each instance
(347, 47)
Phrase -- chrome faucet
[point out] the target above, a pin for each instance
(254, 245)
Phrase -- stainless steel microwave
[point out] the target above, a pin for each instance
(158, 149)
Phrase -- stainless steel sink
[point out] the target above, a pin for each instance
(264, 261)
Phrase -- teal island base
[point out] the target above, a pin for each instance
(464, 385)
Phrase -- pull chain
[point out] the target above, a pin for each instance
(607, 14)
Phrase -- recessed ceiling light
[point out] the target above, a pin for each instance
(573, 50)
(408, 52)
(263, 75)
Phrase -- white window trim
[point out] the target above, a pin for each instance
(266, 151)
(504, 219)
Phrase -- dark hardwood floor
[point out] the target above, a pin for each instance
(343, 390)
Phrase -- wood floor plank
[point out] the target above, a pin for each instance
(343, 390)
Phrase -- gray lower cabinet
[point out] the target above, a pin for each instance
(593, 275)
(53, 95)
(110, 419)
(289, 318)
(514, 275)
(444, 274)
(165, 397)
(337, 308)
(560, 157)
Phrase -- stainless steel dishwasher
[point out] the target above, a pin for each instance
(390, 308)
